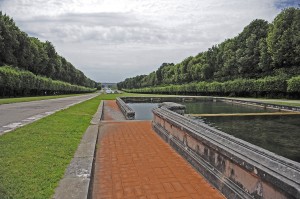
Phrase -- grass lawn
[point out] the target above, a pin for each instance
(33, 158)
(28, 99)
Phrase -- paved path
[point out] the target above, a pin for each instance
(112, 111)
(19, 114)
(132, 161)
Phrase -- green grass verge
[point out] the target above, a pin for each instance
(29, 99)
(33, 158)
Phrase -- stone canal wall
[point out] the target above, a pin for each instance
(208, 98)
(261, 104)
(165, 99)
(126, 110)
(235, 167)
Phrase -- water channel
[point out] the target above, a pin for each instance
(279, 134)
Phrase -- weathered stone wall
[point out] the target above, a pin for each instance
(126, 110)
(261, 104)
(237, 168)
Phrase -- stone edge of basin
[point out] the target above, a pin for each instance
(278, 171)
(126, 110)
(76, 181)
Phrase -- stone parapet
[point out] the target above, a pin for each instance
(178, 108)
(235, 167)
(126, 110)
(261, 104)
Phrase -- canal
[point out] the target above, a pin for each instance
(279, 134)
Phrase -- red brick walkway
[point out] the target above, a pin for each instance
(132, 161)
(112, 111)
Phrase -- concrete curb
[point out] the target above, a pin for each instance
(12, 126)
(76, 181)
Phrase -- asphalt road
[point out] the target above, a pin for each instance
(19, 114)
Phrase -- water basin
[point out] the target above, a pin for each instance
(278, 134)
(143, 111)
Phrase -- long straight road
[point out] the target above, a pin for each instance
(19, 114)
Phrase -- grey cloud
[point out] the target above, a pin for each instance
(88, 19)
(105, 28)
(110, 43)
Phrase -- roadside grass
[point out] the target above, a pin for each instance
(29, 99)
(33, 158)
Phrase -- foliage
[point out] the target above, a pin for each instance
(294, 84)
(238, 87)
(260, 50)
(19, 50)
(14, 82)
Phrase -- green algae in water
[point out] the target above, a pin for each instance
(279, 134)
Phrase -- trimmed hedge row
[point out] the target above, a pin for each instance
(239, 87)
(15, 82)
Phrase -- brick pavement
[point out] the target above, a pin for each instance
(112, 111)
(132, 161)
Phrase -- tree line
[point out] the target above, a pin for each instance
(276, 86)
(15, 82)
(261, 50)
(19, 50)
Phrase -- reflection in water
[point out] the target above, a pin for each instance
(143, 111)
(220, 107)
(279, 134)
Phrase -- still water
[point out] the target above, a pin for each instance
(209, 107)
(279, 134)
(143, 111)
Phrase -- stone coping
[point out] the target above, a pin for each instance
(262, 104)
(157, 99)
(126, 110)
(77, 179)
(282, 173)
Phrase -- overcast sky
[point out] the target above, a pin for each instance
(110, 40)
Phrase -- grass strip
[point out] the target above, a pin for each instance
(33, 158)
(36, 98)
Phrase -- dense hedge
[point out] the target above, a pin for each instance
(269, 86)
(262, 49)
(14, 82)
(19, 50)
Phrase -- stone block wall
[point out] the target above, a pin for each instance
(235, 167)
